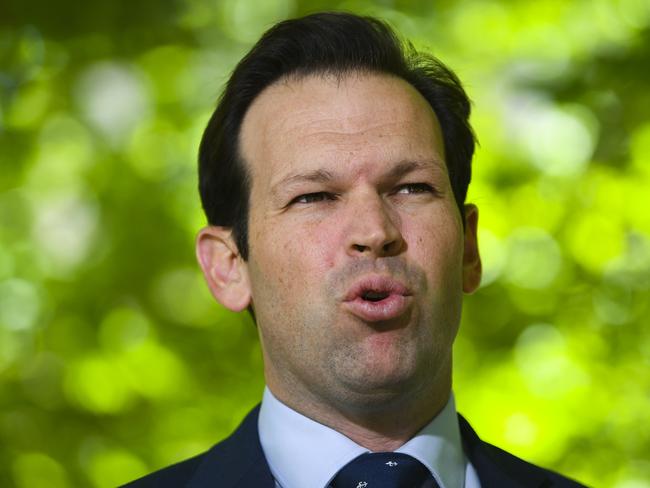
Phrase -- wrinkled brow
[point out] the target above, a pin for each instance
(323, 176)
(405, 167)
(316, 176)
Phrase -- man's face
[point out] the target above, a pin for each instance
(356, 263)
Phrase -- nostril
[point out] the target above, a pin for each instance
(360, 247)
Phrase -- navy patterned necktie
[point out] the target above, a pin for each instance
(384, 470)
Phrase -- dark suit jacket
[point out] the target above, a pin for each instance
(239, 462)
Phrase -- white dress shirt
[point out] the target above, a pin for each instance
(305, 454)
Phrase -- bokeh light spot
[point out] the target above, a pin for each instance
(114, 98)
(64, 154)
(10, 347)
(124, 328)
(542, 356)
(635, 12)
(245, 20)
(534, 258)
(37, 470)
(556, 140)
(594, 240)
(20, 303)
(520, 430)
(183, 296)
(166, 67)
(64, 229)
(108, 468)
(96, 383)
(153, 371)
(493, 256)
(156, 151)
(28, 108)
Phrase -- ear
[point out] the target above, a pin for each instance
(223, 268)
(471, 258)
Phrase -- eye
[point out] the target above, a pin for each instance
(414, 188)
(320, 196)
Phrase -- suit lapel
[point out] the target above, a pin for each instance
(497, 468)
(237, 462)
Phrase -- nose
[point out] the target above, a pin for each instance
(373, 230)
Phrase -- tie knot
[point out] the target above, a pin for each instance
(384, 470)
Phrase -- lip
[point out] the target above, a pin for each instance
(395, 304)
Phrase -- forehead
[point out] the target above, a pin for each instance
(315, 122)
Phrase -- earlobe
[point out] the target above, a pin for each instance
(224, 269)
(472, 267)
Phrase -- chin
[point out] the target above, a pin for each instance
(376, 401)
(380, 388)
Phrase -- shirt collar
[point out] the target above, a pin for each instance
(439, 447)
(301, 452)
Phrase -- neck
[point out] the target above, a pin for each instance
(380, 423)
(384, 430)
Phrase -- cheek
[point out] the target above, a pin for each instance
(295, 256)
(434, 240)
(436, 247)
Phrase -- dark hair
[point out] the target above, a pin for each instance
(329, 44)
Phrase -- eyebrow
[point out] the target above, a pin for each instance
(323, 176)
(405, 167)
(317, 176)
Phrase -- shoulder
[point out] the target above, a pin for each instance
(520, 469)
(497, 467)
(178, 474)
(236, 461)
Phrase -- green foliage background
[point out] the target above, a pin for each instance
(114, 359)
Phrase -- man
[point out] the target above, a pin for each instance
(333, 174)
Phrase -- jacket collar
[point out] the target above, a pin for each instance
(497, 468)
(237, 462)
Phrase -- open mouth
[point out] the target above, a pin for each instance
(378, 298)
(374, 296)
